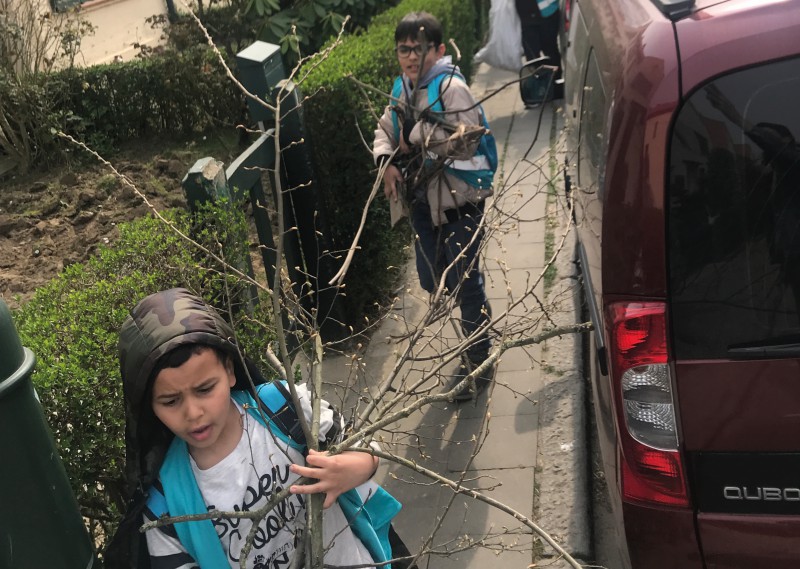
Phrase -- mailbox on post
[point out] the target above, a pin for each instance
(260, 69)
(307, 240)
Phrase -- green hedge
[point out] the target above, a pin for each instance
(72, 326)
(337, 115)
(178, 93)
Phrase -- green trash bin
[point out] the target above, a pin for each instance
(40, 523)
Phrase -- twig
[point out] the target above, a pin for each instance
(459, 387)
(340, 274)
(458, 488)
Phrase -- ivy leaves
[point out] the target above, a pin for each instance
(301, 26)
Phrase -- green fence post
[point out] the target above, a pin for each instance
(40, 523)
(305, 210)
(206, 182)
(245, 173)
(307, 240)
(260, 68)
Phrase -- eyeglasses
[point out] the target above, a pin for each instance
(405, 50)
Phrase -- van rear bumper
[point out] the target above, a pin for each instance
(661, 538)
(733, 541)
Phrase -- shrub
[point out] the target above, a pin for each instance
(178, 93)
(72, 326)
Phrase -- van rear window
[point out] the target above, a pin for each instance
(733, 210)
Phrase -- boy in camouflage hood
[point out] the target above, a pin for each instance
(189, 410)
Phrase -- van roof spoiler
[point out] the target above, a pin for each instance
(674, 9)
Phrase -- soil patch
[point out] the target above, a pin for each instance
(49, 221)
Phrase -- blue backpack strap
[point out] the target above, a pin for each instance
(397, 91)
(285, 417)
(547, 7)
(183, 497)
(281, 416)
(156, 502)
(371, 520)
(435, 90)
(477, 178)
(434, 100)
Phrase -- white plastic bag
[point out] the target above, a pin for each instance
(504, 48)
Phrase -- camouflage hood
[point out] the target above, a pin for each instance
(157, 325)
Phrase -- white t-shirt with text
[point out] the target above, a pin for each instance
(244, 481)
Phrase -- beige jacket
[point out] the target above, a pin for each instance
(444, 191)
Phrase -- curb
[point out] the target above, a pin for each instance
(562, 498)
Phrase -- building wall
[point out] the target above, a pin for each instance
(119, 25)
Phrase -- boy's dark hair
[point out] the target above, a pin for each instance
(409, 27)
(181, 354)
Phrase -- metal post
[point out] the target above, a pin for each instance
(260, 68)
(41, 525)
(245, 174)
(172, 14)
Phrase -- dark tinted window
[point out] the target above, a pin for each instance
(734, 214)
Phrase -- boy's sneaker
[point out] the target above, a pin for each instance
(482, 381)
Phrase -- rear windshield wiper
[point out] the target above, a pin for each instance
(780, 347)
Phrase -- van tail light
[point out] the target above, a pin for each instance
(651, 465)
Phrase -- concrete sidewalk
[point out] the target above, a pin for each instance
(523, 442)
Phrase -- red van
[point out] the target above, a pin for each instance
(683, 121)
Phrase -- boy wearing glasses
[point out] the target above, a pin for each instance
(444, 171)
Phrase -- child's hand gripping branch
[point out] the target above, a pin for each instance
(335, 474)
(392, 176)
(392, 181)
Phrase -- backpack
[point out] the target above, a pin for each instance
(477, 172)
(369, 509)
(536, 85)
